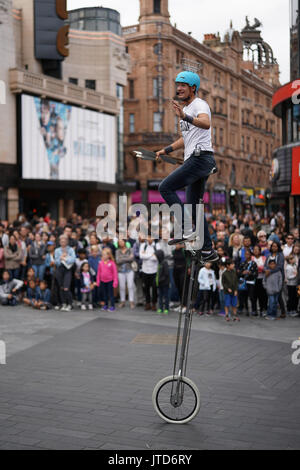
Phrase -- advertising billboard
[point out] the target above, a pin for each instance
(296, 171)
(63, 142)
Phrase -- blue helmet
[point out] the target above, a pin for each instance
(191, 78)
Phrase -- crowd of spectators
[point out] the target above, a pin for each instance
(63, 265)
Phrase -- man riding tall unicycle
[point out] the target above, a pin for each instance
(199, 162)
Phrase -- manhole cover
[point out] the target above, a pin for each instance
(155, 339)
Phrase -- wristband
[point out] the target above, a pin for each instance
(168, 149)
(188, 118)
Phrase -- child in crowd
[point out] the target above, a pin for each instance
(107, 276)
(162, 282)
(31, 293)
(230, 284)
(43, 297)
(80, 260)
(9, 289)
(86, 287)
(272, 282)
(222, 269)
(207, 285)
(94, 260)
(291, 275)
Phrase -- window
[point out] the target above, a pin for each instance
(232, 139)
(91, 84)
(179, 56)
(155, 87)
(217, 77)
(215, 105)
(243, 143)
(244, 91)
(131, 89)
(158, 48)
(156, 6)
(221, 106)
(131, 123)
(73, 80)
(215, 135)
(260, 148)
(157, 124)
(248, 144)
(255, 147)
(221, 136)
(90, 25)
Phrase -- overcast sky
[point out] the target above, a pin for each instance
(211, 16)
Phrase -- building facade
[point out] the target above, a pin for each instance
(61, 139)
(237, 86)
(286, 158)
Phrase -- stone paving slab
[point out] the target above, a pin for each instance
(88, 385)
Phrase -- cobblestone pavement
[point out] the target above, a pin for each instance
(84, 380)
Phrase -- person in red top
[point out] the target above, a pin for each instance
(107, 277)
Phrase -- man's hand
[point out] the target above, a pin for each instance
(178, 109)
(158, 154)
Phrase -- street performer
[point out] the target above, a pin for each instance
(199, 162)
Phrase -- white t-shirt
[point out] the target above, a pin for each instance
(193, 136)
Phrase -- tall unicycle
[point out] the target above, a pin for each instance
(176, 398)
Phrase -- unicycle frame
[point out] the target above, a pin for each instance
(196, 261)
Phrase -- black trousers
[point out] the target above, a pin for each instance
(260, 295)
(292, 302)
(178, 275)
(204, 300)
(150, 289)
(64, 279)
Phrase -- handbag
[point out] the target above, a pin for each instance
(134, 266)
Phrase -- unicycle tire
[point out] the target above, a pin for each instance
(162, 400)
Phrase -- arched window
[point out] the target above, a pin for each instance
(156, 8)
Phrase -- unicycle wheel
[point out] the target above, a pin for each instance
(176, 399)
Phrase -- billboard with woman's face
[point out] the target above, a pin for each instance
(63, 142)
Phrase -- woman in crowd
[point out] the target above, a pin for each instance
(37, 254)
(124, 258)
(13, 257)
(234, 246)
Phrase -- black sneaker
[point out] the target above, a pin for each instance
(211, 257)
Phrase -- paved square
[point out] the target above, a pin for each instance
(82, 380)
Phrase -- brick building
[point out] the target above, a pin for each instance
(238, 77)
